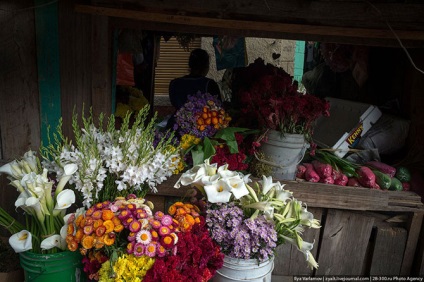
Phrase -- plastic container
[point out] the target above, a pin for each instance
(63, 266)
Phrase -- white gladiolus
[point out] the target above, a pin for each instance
(21, 241)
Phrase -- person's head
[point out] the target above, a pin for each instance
(199, 62)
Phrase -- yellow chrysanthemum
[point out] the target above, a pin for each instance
(127, 268)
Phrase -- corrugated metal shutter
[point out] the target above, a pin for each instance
(172, 63)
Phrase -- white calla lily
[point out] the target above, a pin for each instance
(68, 171)
(34, 204)
(238, 187)
(20, 203)
(17, 184)
(30, 160)
(63, 201)
(52, 242)
(12, 169)
(219, 192)
(210, 168)
(191, 176)
(21, 241)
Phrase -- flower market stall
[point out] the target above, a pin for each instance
(369, 222)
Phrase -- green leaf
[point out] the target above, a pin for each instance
(197, 155)
(228, 133)
(209, 149)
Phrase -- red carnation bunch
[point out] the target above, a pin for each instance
(271, 101)
(197, 258)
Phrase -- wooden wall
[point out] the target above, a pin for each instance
(19, 104)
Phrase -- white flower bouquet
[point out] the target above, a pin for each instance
(44, 202)
(113, 162)
(271, 213)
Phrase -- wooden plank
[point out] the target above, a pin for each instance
(414, 229)
(342, 13)
(388, 250)
(76, 60)
(217, 23)
(233, 31)
(331, 196)
(344, 243)
(101, 66)
(418, 268)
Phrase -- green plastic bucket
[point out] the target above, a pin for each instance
(63, 266)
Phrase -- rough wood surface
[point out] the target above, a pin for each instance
(317, 20)
(333, 196)
(414, 228)
(388, 251)
(344, 243)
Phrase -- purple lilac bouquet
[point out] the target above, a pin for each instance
(201, 116)
(238, 236)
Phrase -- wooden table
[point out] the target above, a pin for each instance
(364, 231)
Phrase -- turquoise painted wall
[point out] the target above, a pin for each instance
(299, 59)
(48, 63)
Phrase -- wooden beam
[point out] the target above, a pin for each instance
(251, 25)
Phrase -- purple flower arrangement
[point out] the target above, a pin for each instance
(189, 117)
(240, 236)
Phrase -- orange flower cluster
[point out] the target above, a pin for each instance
(185, 214)
(95, 228)
(212, 116)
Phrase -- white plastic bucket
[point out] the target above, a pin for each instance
(244, 270)
(283, 153)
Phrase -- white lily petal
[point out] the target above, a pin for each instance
(64, 200)
(70, 169)
(266, 184)
(21, 241)
(210, 168)
(51, 242)
(218, 192)
(12, 169)
(191, 176)
(238, 187)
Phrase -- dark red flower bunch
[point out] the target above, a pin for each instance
(197, 258)
(272, 102)
(93, 262)
(236, 161)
